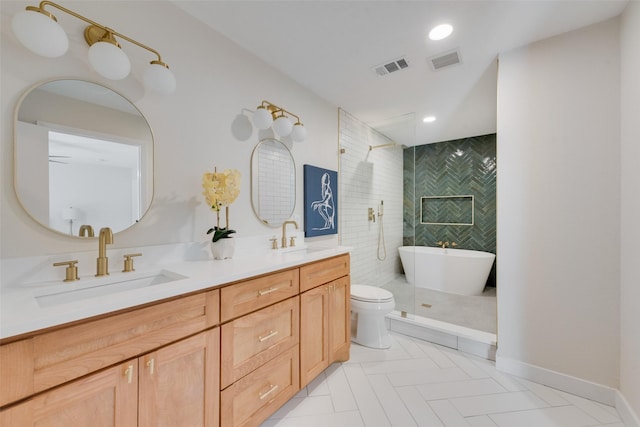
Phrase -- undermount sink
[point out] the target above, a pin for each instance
(300, 249)
(96, 287)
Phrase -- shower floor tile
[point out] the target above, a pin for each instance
(475, 312)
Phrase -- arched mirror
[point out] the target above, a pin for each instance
(273, 182)
(83, 158)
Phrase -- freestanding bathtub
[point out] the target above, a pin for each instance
(457, 271)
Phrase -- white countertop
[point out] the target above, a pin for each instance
(21, 313)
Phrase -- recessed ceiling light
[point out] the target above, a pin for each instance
(440, 32)
(429, 119)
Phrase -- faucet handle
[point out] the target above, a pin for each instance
(128, 262)
(274, 243)
(292, 241)
(86, 231)
(71, 272)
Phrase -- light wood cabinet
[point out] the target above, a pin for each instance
(252, 399)
(229, 356)
(55, 357)
(252, 340)
(325, 322)
(251, 295)
(174, 385)
(260, 368)
(105, 399)
(324, 271)
(179, 384)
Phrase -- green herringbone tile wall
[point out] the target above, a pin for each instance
(459, 167)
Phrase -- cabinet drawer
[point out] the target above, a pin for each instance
(252, 295)
(254, 398)
(325, 271)
(55, 357)
(250, 341)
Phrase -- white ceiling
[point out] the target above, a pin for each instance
(330, 47)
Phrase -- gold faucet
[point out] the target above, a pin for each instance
(284, 232)
(445, 245)
(106, 238)
(86, 231)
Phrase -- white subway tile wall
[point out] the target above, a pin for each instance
(368, 177)
(275, 165)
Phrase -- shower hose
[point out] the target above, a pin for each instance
(382, 248)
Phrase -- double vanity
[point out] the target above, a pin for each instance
(199, 343)
(170, 338)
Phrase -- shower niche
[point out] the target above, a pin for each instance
(447, 210)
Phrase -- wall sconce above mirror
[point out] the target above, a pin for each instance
(83, 158)
(38, 30)
(268, 114)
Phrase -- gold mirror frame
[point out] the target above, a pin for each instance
(273, 182)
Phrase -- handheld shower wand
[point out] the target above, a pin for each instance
(382, 254)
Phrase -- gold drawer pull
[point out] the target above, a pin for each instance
(266, 291)
(272, 388)
(151, 364)
(266, 337)
(129, 373)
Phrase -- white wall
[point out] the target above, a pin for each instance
(630, 192)
(217, 81)
(558, 209)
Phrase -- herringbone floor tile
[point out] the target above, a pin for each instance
(416, 383)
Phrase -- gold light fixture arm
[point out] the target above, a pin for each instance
(274, 110)
(92, 33)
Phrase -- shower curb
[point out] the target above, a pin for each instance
(477, 343)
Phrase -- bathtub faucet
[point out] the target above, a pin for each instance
(445, 245)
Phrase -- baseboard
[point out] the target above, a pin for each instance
(626, 412)
(557, 380)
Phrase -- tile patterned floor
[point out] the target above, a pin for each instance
(417, 383)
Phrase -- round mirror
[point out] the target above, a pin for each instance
(273, 182)
(83, 158)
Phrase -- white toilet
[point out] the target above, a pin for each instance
(369, 306)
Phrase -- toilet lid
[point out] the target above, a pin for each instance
(370, 294)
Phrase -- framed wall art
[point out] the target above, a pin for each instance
(320, 201)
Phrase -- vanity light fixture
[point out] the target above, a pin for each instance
(38, 30)
(268, 114)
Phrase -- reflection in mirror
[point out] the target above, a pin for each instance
(273, 182)
(83, 158)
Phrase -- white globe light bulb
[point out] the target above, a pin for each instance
(40, 33)
(109, 60)
(159, 78)
(299, 132)
(283, 126)
(262, 118)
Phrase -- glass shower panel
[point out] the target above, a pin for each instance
(373, 221)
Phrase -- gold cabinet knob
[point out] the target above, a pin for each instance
(128, 262)
(71, 273)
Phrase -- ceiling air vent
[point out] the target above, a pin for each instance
(390, 67)
(445, 60)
